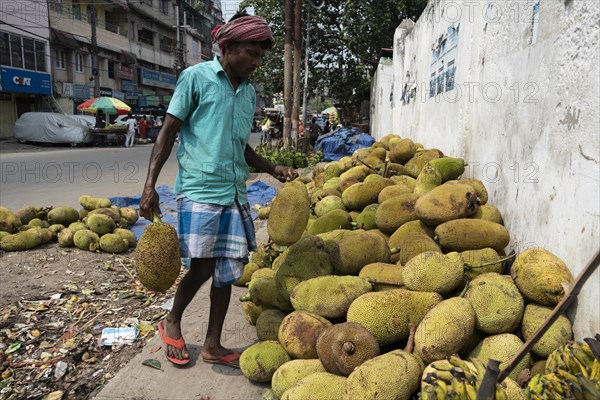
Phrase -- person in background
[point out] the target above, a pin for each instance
(100, 122)
(314, 131)
(142, 126)
(326, 128)
(300, 128)
(131, 127)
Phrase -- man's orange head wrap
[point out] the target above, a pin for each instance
(250, 28)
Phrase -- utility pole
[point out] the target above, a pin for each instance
(305, 90)
(296, 74)
(287, 69)
(95, 71)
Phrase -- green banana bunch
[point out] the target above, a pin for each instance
(454, 378)
(574, 357)
(562, 385)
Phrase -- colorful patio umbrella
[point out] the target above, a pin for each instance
(108, 105)
(329, 110)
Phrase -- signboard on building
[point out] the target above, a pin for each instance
(117, 94)
(77, 91)
(25, 81)
(158, 79)
(106, 91)
(125, 72)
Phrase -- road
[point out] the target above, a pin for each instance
(57, 176)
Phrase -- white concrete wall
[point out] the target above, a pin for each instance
(524, 113)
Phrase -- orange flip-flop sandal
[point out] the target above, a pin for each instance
(178, 344)
(228, 360)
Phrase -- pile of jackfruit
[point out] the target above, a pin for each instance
(385, 277)
(97, 226)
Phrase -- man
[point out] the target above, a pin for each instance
(142, 126)
(314, 131)
(213, 105)
(131, 126)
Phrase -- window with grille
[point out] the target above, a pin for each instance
(164, 6)
(167, 44)
(78, 62)
(76, 9)
(60, 59)
(22, 52)
(146, 36)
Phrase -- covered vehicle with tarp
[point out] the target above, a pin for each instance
(45, 127)
(342, 142)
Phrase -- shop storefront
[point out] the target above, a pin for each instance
(20, 92)
(162, 84)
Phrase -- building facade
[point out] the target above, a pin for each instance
(141, 46)
(25, 81)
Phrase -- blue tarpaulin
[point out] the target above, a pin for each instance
(258, 193)
(342, 142)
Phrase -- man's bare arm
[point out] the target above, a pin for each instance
(279, 172)
(160, 154)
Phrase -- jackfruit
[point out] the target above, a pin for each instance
(366, 219)
(411, 244)
(427, 180)
(360, 195)
(402, 151)
(433, 272)
(497, 303)
(26, 214)
(299, 331)
(513, 389)
(292, 372)
(394, 375)
(445, 203)
(559, 333)
(260, 361)
(56, 228)
(538, 368)
(317, 386)
(337, 234)
(251, 311)
(267, 324)
(109, 212)
(289, 214)
(395, 212)
(353, 252)
(392, 169)
(130, 214)
(378, 152)
(63, 215)
(502, 348)
(38, 223)
(482, 194)
(264, 291)
(322, 193)
(113, 243)
(346, 183)
(405, 180)
(489, 213)
(449, 168)
(127, 235)
(21, 241)
(444, 330)
(343, 347)
(328, 296)
(308, 258)
(157, 258)
(332, 184)
(4, 234)
(377, 232)
(77, 226)
(65, 237)
(333, 169)
(382, 275)
(359, 172)
(9, 222)
(249, 269)
(420, 159)
(263, 212)
(100, 223)
(372, 177)
(478, 262)
(387, 314)
(393, 191)
(327, 204)
(411, 227)
(540, 276)
(86, 240)
(471, 234)
(47, 235)
(92, 203)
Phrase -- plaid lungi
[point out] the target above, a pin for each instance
(225, 233)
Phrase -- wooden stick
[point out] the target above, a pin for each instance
(560, 308)
(410, 343)
(365, 164)
(487, 390)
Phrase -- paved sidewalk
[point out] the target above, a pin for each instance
(199, 379)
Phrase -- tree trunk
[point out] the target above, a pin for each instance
(287, 69)
(297, 58)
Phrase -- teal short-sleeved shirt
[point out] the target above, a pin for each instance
(216, 126)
